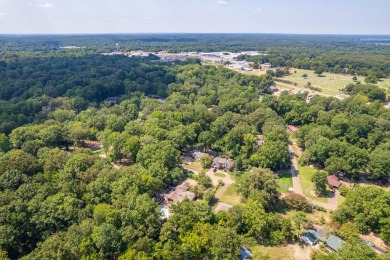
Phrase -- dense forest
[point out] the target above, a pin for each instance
(59, 199)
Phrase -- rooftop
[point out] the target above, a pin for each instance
(333, 181)
(311, 235)
(334, 242)
(292, 128)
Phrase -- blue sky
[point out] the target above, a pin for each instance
(205, 16)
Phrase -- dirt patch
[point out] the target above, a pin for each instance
(301, 252)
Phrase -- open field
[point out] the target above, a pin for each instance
(292, 251)
(285, 180)
(305, 174)
(330, 83)
(230, 196)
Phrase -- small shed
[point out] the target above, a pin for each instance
(273, 89)
(292, 128)
(310, 237)
(333, 181)
(334, 243)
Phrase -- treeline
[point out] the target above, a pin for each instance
(337, 54)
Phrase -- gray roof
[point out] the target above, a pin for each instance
(334, 242)
(112, 99)
(311, 235)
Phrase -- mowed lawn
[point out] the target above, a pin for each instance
(285, 181)
(330, 83)
(219, 174)
(230, 196)
(305, 174)
(194, 166)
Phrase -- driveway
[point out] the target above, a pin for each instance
(227, 180)
(332, 201)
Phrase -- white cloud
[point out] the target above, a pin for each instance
(223, 2)
(46, 5)
(148, 17)
(257, 10)
(3, 14)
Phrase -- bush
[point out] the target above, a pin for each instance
(343, 191)
(319, 208)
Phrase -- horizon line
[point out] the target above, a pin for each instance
(189, 33)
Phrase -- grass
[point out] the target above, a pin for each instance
(231, 196)
(275, 252)
(194, 166)
(219, 174)
(99, 152)
(340, 199)
(330, 83)
(305, 174)
(285, 180)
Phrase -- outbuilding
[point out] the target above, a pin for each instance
(292, 128)
(333, 181)
(334, 243)
(310, 237)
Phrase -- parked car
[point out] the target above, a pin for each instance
(369, 243)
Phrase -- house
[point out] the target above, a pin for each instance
(112, 100)
(245, 253)
(292, 128)
(310, 237)
(333, 181)
(334, 243)
(266, 66)
(273, 89)
(222, 163)
(180, 193)
(198, 155)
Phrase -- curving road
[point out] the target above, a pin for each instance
(332, 201)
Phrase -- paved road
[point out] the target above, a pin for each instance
(332, 201)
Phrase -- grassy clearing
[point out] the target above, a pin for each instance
(194, 166)
(330, 83)
(305, 174)
(230, 196)
(285, 180)
(219, 174)
(275, 252)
